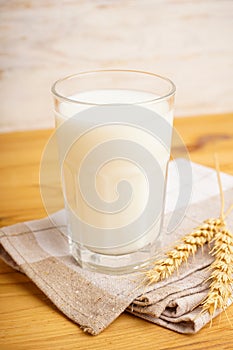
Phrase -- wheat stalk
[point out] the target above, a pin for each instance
(203, 234)
(220, 290)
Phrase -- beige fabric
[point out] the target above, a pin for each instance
(92, 300)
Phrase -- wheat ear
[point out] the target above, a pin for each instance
(220, 290)
(164, 268)
(203, 234)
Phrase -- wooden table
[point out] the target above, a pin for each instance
(28, 319)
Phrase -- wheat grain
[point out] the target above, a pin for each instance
(220, 290)
(164, 268)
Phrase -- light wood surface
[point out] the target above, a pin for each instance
(28, 320)
(41, 41)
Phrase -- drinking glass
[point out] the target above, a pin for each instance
(114, 130)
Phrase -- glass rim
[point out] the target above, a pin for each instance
(59, 96)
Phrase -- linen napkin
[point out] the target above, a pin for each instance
(93, 300)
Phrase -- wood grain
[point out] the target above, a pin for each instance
(28, 320)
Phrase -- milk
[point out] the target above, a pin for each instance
(110, 174)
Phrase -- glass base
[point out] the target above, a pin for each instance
(113, 264)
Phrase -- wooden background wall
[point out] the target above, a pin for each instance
(188, 41)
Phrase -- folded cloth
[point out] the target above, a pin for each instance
(93, 300)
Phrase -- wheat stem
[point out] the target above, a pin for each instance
(220, 186)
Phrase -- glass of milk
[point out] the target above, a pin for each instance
(114, 130)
